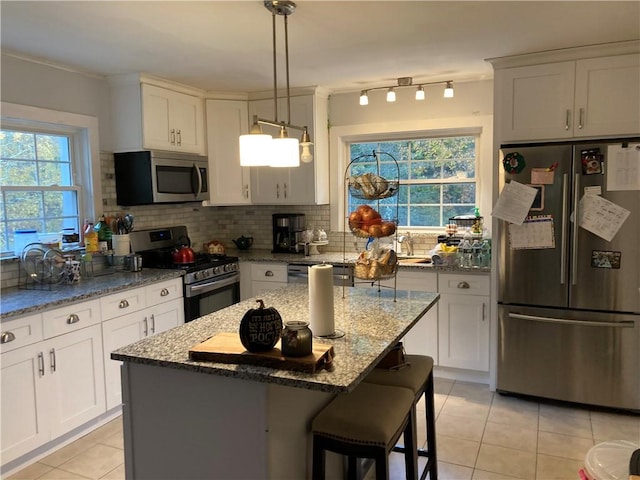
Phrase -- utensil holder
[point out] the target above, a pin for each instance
(121, 245)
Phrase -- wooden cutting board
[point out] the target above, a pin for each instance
(226, 347)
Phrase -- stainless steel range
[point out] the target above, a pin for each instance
(210, 282)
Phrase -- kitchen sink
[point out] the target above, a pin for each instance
(402, 259)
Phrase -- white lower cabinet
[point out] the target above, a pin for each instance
(149, 316)
(464, 321)
(422, 339)
(267, 276)
(54, 385)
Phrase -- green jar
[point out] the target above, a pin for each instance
(297, 340)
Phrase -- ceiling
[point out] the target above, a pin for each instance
(226, 46)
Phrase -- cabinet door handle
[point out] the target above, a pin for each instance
(52, 355)
(463, 284)
(246, 190)
(277, 190)
(153, 324)
(41, 364)
(581, 119)
(146, 326)
(173, 136)
(73, 318)
(164, 292)
(285, 190)
(179, 138)
(567, 121)
(483, 315)
(123, 303)
(7, 337)
(268, 273)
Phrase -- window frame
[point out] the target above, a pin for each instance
(341, 137)
(440, 182)
(84, 149)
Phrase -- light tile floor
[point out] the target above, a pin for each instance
(481, 435)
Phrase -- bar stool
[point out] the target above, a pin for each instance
(417, 377)
(365, 423)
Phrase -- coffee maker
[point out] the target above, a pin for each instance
(287, 232)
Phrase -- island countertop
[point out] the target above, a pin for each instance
(372, 322)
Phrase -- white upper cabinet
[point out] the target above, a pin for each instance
(230, 184)
(589, 97)
(148, 115)
(307, 184)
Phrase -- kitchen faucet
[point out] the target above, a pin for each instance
(407, 240)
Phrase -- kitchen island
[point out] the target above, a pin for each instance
(187, 419)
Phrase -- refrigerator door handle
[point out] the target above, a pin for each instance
(563, 247)
(574, 232)
(621, 324)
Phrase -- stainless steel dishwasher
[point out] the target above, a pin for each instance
(299, 273)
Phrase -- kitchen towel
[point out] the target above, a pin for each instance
(321, 315)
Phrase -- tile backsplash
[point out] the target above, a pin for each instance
(214, 223)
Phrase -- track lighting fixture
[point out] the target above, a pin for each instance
(407, 82)
(258, 149)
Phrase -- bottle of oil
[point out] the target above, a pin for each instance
(91, 239)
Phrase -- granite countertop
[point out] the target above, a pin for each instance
(17, 301)
(372, 322)
(338, 258)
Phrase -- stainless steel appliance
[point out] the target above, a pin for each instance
(210, 283)
(299, 273)
(148, 177)
(569, 311)
(287, 232)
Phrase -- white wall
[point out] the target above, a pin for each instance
(35, 84)
(472, 107)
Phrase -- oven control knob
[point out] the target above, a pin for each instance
(232, 267)
(216, 270)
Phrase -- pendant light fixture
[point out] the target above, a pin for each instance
(257, 149)
(407, 82)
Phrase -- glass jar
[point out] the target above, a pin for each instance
(297, 340)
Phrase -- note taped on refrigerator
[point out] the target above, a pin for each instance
(536, 232)
(514, 202)
(601, 216)
(623, 167)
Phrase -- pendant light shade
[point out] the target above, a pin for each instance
(285, 152)
(364, 98)
(420, 93)
(254, 150)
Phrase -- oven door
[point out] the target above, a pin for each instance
(210, 296)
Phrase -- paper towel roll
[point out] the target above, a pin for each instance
(321, 315)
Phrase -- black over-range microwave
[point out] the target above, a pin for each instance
(147, 177)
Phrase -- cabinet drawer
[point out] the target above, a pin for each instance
(164, 291)
(465, 284)
(269, 272)
(20, 332)
(70, 318)
(123, 302)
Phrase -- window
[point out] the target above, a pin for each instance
(38, 191)
(437, 177)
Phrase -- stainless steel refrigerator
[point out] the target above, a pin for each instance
(569, 308)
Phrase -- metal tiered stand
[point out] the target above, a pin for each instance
(372, 179)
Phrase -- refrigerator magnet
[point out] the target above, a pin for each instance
(513, 163)
(591, 161)
(605, 259)
(542, 176)
(538, 201)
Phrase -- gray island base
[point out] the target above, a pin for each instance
(203, 420)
